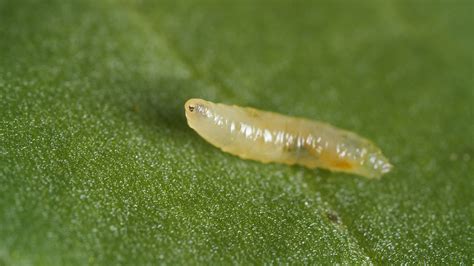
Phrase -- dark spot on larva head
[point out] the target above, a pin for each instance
(196, 108)
(191, 105)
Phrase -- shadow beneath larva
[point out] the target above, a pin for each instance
(316, 178)
(317, 174)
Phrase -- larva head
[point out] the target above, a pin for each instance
(197, 113)
(196, 108)
(201, 116)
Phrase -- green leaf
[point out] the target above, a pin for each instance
(98, 166)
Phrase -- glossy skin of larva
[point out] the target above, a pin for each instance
(270, 137)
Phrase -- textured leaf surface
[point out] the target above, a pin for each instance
(98, 166)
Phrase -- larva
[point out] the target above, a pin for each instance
(270, 137)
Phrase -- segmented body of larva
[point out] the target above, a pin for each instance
(270, 137)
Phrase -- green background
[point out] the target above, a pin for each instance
(98, 166)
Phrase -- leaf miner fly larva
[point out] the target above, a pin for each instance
(270, 137)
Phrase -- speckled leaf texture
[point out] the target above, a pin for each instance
(98, 166)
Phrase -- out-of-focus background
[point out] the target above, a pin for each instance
(98, 166)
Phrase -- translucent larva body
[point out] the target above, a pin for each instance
(270, 137)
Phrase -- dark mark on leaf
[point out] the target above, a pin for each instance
(333, 217)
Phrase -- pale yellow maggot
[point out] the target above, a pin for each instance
(270, 137)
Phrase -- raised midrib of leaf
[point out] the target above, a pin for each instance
(98, 165)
